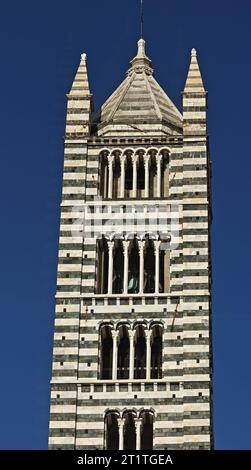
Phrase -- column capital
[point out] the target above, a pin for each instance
(148, 334)
(110, 159)
(141, 245)
(156, 245)
(125, 244)
(110, 245)
(131, 334)
(121, 422)
(123, 158)
(135, 159)
(115, 334)
(138, 422)
(146, 158)
(159, 159)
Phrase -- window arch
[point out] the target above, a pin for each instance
(102, 266)
(123, 353)
(156, 351)
(106, 352)
(112, 431)
(140, 353)
(129, 431)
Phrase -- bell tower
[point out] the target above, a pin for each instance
(132, 359)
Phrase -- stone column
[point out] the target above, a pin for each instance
(156, 252)
(158, 161)
(114, 354)
(121, 423)
(141, 266)
(148, 354)
(110, 266)
(146, 164)
(122, 179)
(138, 424)
(131, 363)
(134, 177)
(125, 249)
(110, 181)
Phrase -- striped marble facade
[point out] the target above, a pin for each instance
(181, 401)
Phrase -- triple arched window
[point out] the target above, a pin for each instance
(129, 430)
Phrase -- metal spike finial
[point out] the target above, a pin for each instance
(141, 17)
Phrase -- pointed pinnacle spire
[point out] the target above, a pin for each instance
(194, 81)
(141, 61)
(80, 85)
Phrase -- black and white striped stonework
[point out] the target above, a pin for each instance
(181, 401)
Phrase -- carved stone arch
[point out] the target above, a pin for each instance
(132, 410)
(147, 410)
(106, 323)
(105, 150)
(156, 322)
(164, 149)
(152, 149)
(116, 150)
(140, 149)
(123, 323)
(117, 411)
(140, 322)
(128, 150)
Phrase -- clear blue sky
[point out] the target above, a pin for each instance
(41, 42)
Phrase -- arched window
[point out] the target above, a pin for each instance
(112, 431)
(133, 274)
(156, 352)
(165, 173)
(106, 350)
(103, 176)
(118, 268)
(140, 177)
(152, 176)
(102, 266)
(128, 177)
(123, 353)
(149, 267)
(140, 353)
(116, 177)
(147, 430)
(129, 432)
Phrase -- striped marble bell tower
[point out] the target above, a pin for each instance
(132, 358)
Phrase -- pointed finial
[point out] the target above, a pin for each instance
(193, 53)
(141, 49)
(83, 57)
